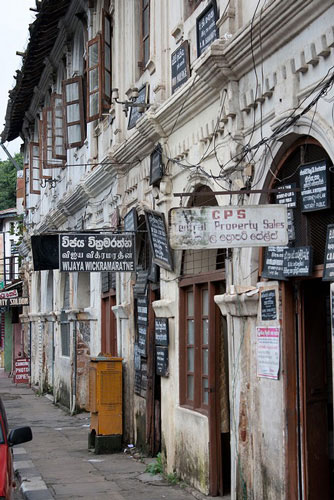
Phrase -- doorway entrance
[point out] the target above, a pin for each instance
(315, 391)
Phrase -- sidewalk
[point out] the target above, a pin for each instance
(57, 463)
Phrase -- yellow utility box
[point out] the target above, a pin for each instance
(105, 404)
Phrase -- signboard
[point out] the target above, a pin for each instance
(142, 336)
(135, 114)
(180, 66)
(297, 261)
(156, 227)
(8, 294)
(332, 310)
(156, 166)
(273, 263)
(14, 302)
(268, 305)
(96, 252)
(267, 351)
(289, 198)
(206, 28)
(142, 310)
(45, 252)
(328, 274)
(22, 369)
(314, 186)
(228, 227)
(161, 361)
(130, 221)
(141, 283)
(161, 331)
(291, 225)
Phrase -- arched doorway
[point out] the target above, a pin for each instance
(307, 340)
(204, 384)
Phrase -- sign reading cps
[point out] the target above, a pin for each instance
(228, 227)
(96, 252)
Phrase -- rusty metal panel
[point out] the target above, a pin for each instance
(228, 227)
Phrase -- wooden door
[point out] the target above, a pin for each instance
(315, 397)
(109, 326)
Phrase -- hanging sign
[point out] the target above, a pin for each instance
(156, 166)
(96, 252)
(206, 28)
(267, 351)
(22, 369)
(142, 337)
(297, 261)
(156, 227)
(8, 294)
(314, 186)
(328, 274)
(228, 227)
(288, 198)
(161, 331)
(142, 310)
(141, 283)
(180, 66)
(130, 221)
(161, 361)
(14, 302)
(273, 263)
(268, 305)
(135, 114)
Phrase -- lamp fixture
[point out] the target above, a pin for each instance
(132, 94)
(52, 183)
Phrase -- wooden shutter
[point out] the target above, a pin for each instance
(106, 61)
(26, 183)
(94, 79)
(58, 139)
(34, 167)
(73, 112)
(48, 160)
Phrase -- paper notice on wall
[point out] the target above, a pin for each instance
(268, 351)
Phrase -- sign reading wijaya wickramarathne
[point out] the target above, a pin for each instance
(228, 227)
(96, 252)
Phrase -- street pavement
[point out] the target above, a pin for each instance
(57, 463)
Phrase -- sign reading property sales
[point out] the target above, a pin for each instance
(228, 227)
(96, 252)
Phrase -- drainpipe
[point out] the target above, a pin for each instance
(74, 374)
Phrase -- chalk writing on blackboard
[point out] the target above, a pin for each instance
(268, 305)
(161, 331)
(314, 186)
(297, 261)
(156, 226)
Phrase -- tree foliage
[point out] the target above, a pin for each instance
(8, 176)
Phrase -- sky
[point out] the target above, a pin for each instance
(14, 35)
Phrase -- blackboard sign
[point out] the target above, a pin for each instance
(161, 331)
(135, 115)
(130, 221)
(314, 186)
(268, 305)
(156, 166)
(138, 382)
(142, 310)
(142, 336)
(83, 252)
(156, 226)
(161, 365)
(180, 66)
(45, 251)
(328, 274)
(206, 28)
(297, 261)
(291, 225)
(141, 283)
(137, 358)
(288, 198)
(273, 263)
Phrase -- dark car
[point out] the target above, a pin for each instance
(7, 440)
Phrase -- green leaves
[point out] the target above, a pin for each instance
(8, 176)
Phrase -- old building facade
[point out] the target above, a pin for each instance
(236, 99)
